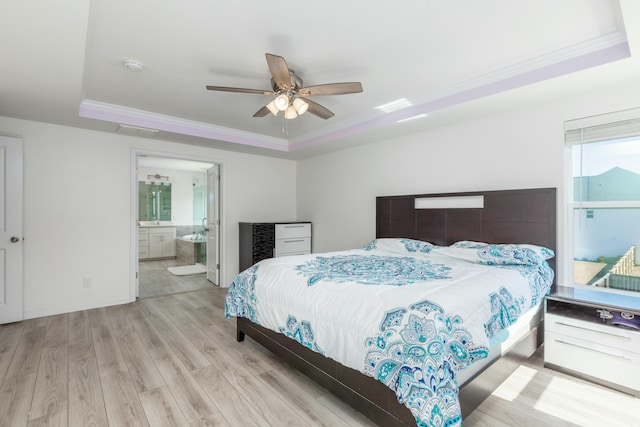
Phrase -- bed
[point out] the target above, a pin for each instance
(439, 355)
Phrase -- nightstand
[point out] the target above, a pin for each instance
(595, 335)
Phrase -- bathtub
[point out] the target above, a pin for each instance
(191, 249)
(193, 238)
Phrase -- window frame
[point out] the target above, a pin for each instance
(589, 130)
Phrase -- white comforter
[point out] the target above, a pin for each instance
(405, 312)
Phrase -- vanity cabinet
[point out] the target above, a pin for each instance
(594, 335)
(143, 243)
(260, 241)
(156, 242)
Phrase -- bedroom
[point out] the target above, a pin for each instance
(525, 143)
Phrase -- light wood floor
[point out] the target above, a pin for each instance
(154, 279)
(173, 361)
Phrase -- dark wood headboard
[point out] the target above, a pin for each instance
(508, 216)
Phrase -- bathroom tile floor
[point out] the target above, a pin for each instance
(155, 280)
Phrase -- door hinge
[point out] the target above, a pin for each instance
(217, 266)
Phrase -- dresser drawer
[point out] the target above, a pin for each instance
(293, 245)
(287, 231)
(592, 359)
(614, 337)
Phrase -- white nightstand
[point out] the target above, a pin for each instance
(593, 334)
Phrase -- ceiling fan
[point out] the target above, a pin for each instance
(293, 98)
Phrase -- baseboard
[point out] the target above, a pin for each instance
(70, 309)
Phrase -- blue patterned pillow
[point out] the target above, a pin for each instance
(499, 254)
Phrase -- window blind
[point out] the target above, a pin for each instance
(604, 127)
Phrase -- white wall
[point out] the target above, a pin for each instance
(517, 149)
(77, 210)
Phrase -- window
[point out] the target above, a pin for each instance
(603, 210)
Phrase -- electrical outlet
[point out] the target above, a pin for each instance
(86, 282)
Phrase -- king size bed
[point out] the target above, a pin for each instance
(421, 324)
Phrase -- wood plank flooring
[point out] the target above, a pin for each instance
(173, 361)
(155, 280)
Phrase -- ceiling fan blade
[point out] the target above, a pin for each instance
(331, 89)
(279, 70)
(240, 90)
(318, 110)
(262, 112)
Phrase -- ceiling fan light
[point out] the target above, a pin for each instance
(290, 112)
(272, 107)
(300, 106)
(281, 102)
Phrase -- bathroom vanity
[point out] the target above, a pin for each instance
(156, 241)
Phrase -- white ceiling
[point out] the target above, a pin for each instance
(452, 60)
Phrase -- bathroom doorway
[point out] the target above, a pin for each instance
(170, 223)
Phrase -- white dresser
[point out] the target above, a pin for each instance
(264, 240)
(293, 239)
(592, 334)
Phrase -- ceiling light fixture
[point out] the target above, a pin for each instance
(272, 107)
(282, 102)
(292, 107)
(300, 106)
(290, 112)
(396, 105)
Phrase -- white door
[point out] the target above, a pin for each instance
(213, 224)
(10, 229)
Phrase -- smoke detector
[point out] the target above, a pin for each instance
(132, 65)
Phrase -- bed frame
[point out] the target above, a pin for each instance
(509, 216)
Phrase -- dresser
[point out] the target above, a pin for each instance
(264, 240)
(595, 335)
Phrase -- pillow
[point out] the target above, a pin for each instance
(499, 254)
(400, 245)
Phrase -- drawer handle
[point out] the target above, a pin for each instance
(294, 241)
(294, 226)
(619, 356)
(624, 337)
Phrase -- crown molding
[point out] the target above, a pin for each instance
(608, 48)
(146, 119)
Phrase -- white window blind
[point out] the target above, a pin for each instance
(604, 127)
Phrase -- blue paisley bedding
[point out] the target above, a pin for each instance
(408, 313)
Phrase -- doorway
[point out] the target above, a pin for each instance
(170, 244)
(11, 150)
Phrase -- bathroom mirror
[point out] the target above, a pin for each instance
(154, 201)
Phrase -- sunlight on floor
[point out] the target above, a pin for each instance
(513, 386)
(553, 401)
(559, 400)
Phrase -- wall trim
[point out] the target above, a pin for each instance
(73, 308)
